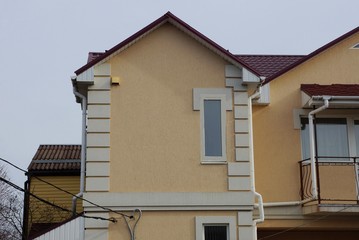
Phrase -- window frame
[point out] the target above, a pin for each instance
(225, 96)
(228, 221)
(223, 157)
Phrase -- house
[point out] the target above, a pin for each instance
(168, 137)
(306, 144)
(58, 165)
(184, 140)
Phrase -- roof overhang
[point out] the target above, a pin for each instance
(338, 95)
(85, 73)
(334, 101)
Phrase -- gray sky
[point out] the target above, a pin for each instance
(43, 42)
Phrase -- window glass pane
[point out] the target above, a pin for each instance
(356, 132)
(332, 139)
(215, 232)
(305, 138)
(212, 128)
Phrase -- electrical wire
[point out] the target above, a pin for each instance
(50, 203)
(65, 191)
(301, 225)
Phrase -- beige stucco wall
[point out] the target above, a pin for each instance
(160, 225)
(155, 134)
(276, 143)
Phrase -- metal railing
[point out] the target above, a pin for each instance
(337, 179)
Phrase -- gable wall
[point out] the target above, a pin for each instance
(155, 134)
(276, 143)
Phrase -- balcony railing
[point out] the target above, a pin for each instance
(337, 179)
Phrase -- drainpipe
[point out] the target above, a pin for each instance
(312, 146)
(257, 94)
(83, 156)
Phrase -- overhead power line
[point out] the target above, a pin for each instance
(65, 191)
(50, 203)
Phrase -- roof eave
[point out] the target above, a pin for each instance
(169, 17)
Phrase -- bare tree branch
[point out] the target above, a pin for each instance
(10, 210)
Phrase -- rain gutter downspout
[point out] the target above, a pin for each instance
(312, 145)
(83, 156)
(257, 94)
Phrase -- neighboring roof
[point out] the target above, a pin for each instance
(309, 56)
(168, 17)
(330, 90)
(56, 158)
(268, 65)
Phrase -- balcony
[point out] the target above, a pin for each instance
(337, 184)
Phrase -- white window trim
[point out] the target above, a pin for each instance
(355, 46)
(225, 95)
(214, 220)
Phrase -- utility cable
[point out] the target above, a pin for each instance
(65, 191)
(50, 203)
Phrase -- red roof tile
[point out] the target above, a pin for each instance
(56, 158)
(331, 90)
(168, 17)
(268, 65)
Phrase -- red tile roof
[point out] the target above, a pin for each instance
(56, 158)
(268, 65)
(331, 90)
(168, 17)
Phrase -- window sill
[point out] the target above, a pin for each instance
(214, 162)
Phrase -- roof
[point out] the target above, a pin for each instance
(330, 90)
(268, 65)
(170, 18)
(56, 158)
(313, 54)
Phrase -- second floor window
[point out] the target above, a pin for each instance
(212, 103)
(212, 127)
(337, 139)
(213, 121)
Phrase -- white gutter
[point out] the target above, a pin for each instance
(251, 159)
(83, 158)
(335, 97)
